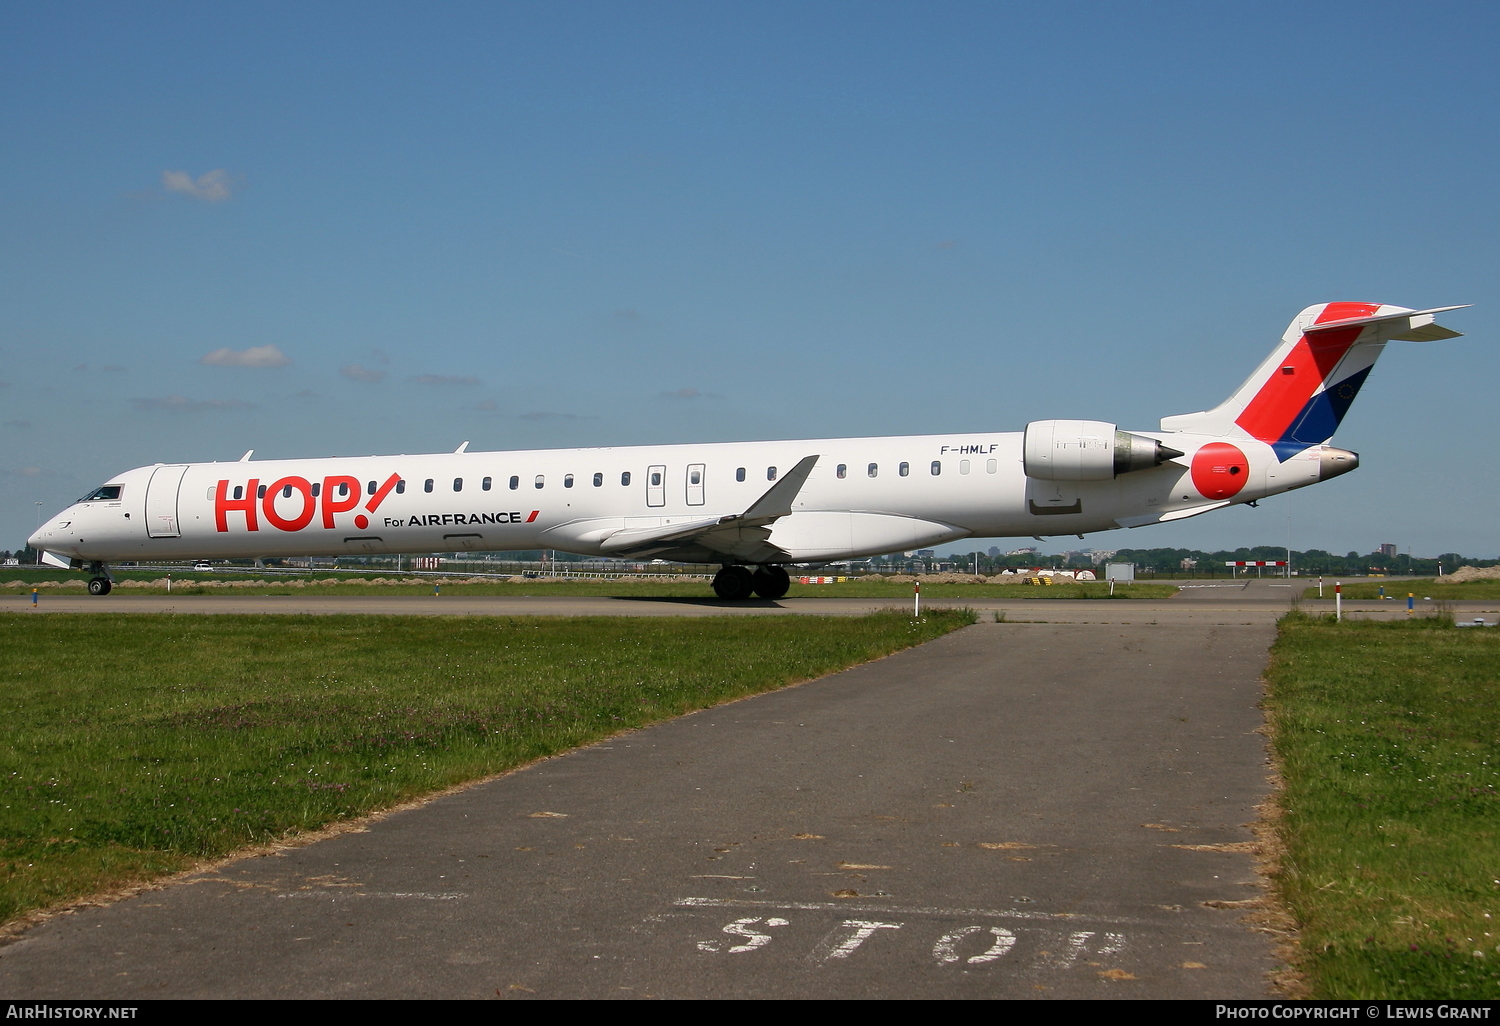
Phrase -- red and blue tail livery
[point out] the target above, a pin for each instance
(1299, 395)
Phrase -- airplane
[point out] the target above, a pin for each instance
(758, 507)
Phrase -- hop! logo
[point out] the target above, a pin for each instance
(300, 502)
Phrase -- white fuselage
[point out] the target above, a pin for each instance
(953, 486)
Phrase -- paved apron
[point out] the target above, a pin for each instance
(1005, 812)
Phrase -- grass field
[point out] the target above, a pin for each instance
(20, 583)
(1422, 588)
(134, 745)
(1389, 739)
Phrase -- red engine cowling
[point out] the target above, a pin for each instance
(1220, 470)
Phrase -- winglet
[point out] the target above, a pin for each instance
(461, 448)
(777, 502)
(246, 458)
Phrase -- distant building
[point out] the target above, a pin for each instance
(1388, 549)
(1021, 552)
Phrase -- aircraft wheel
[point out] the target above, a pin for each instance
(100, 586)
(733, 583)
(771, 582)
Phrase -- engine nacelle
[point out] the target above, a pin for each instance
(1088, 450)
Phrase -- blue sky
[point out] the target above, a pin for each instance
(575, 224)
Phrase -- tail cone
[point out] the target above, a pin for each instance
(1333, 462)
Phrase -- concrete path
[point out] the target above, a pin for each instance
(1015, 810)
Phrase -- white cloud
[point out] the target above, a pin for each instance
(182, 404)
(255, 356)
(549, 415)
(355, 372)
(212, 186)
(445, 379)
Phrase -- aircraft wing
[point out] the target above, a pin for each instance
(738, 536)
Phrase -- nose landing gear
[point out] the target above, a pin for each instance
(734, 583)
(100, 583)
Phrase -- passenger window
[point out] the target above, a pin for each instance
(567, 480)
(540, 480)
(904, 470)
(873, 470)
(260, 493)
(991, 466)
(372, 488)
(286, 493)
(696, 477)
(770, 473)
(484, 485)
(343, 488)
(963, 466)
(598, 480)
(239, 491)
(842, 471)
(317, 487)
(739, 475)
(625, 478)
(427, 486)
(400, 486)
(937, 468)
(458, 484)
(515, 482)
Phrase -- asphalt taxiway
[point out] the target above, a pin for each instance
(1046, 809)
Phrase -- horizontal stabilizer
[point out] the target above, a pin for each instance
(1395, 315)
(1427, 333)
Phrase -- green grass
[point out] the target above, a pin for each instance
(1425, 587)
(134, 745)
(336, 584)
(1388, 736)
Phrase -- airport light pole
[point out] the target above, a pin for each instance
(38, 527)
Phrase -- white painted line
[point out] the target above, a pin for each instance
(417, 895)
(844, 906)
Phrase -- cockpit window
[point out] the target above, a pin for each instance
(109, 493)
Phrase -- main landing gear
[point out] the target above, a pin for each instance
(734, 583)
(100, 582)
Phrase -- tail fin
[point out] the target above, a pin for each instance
(1298, 396)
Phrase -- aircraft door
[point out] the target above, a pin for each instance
(161, 502)
(656, 486)
(695, 484)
